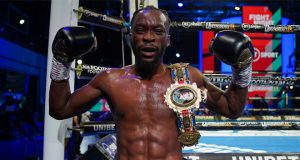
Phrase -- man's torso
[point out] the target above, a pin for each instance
(146, 126)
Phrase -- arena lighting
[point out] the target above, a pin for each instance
(237, 8)
(177, 55)
(180, 4)
(22, 21)
(79, 61)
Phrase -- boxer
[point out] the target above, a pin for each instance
(146, 125)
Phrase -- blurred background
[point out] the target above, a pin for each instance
(24, 31)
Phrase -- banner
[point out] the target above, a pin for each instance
(208, 59)
(267, 47)
(262, 15)
(241, 156)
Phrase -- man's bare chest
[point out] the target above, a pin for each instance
(137, 96)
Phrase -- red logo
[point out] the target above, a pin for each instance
(256, 55)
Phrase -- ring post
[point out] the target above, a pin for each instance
(61, 15)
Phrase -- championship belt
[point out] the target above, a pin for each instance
(183, 97)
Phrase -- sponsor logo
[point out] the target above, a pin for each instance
(93, 69)
(271, 117)
(276, 124)
(278, 28)
(247, 27)
(104, 127)
(112, 20)
(234, 156)
(192, 157)
(191, 24)
(260, 88)
(258, 55)
(263, 19)
(248, 124)
(291, 117)
(265, 157)
(219, 26)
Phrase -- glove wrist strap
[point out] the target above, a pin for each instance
(241, 77)
(60, 71)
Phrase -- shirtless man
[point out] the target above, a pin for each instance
(146, 126)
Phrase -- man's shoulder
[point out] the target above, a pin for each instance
(115, 72)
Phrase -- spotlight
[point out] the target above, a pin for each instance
(17, 18)
(22, 21)
(79, 61)
(177, 55)
(226, 86)
(237, 8)
(79, 68)
(291, 87)
(180, 4)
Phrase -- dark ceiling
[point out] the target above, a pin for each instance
(34, 34)
(215, 10)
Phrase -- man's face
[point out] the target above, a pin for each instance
(150, 36)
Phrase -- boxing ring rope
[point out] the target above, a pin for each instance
(274, 98)
(257, 122)
(99, 69)
(254, 72)
(212, 77)
(88, 16)
(260, 109)
(218, 26)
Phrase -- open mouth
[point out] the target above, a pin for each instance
(148, 51)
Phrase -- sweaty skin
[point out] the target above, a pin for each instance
(146, 127)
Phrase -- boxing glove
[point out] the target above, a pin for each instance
(70, 43)
(235, 49)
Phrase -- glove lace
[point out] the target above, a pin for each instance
(241, 77)
(60, 71)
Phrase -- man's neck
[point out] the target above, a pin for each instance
(150, 71)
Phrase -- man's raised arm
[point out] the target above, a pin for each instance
(70, 43)
(233, 48)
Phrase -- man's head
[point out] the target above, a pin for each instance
(150, 35)
(164, 12)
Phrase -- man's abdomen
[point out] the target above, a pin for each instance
(148, 140)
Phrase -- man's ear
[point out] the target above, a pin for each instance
(168, 40)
